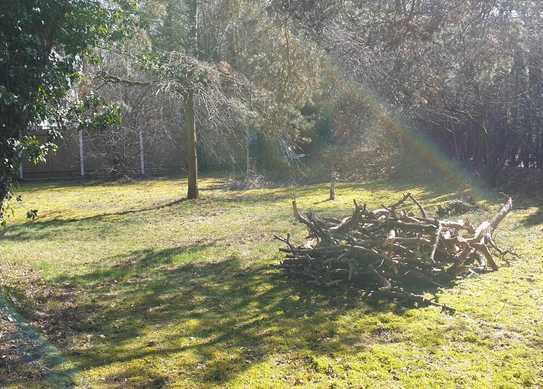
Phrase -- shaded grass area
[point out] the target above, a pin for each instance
(139, 288)
(26, 355)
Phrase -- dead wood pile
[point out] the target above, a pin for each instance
(391, 251)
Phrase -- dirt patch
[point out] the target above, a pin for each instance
(19, 355)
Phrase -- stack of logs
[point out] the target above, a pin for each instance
(390, 250)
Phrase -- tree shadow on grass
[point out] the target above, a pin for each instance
(211, 321)
(28, 230)
(45, 228)
(526, 203)
(534, 219)
(36, 230)
(109, 223)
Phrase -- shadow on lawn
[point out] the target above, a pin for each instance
(29, 229)
(43, 229)
(212, 321)
(534, 219)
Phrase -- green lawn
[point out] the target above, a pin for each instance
(138, 288)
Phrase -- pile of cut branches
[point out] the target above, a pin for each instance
(391, 251)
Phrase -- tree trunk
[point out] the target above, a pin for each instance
(191, 152)
(190, 125)
(5, 185)
(248, 156)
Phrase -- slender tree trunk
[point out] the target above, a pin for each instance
(191, 142)
(190, 125)
(5, 186)
(248, 156)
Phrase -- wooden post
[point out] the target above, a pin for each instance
(81, 154)
(333, 178)
(142, 153)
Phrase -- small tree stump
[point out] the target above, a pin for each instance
(333, 179)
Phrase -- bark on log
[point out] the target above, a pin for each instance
(390, 250)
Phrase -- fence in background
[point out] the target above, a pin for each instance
(81, 155)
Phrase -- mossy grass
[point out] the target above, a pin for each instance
(139, 288)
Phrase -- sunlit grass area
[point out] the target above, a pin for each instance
(138, 288)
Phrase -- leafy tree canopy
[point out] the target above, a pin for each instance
(42, 44)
